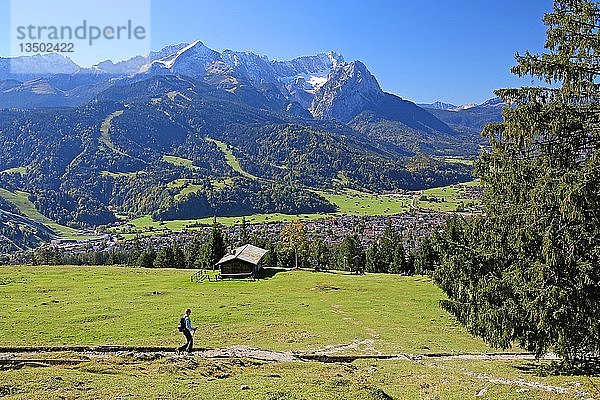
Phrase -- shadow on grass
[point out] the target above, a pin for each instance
(267, 273)
(559, 368)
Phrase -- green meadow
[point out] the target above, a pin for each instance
(180, 162)
(21, 201)
(15, 170)
(447, 198)
(290, 311)
(352, 203)
(105, 132)
(231, 159)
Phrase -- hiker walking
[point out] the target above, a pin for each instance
(185, 327)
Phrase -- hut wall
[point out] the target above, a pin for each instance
(236, 267)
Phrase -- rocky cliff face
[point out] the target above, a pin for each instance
(191, 61)
(349, 90)
(294, 81)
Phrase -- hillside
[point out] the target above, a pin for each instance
(470, 119)
(188, 132)
(83, 163)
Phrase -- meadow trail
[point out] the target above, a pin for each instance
(330, 354)
(17, 358)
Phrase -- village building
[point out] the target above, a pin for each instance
(242, 262)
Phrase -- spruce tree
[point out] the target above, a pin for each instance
(113, 258)
(147, 257)
(214, 249)
(134, 254)
(398, 263)
(179, 260)
(244, 235)
(351, 254)
(319, 252)
(392, 251)
(425, 256)
(374, 258)
(165, 258)
(194, 251)
(528, 272)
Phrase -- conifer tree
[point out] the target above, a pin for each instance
(165, 258)
(178, 256)
(244, 235)
(147, 257)
(136, 251)
(374, 258)
(528, 272)
(194, 251)
(351, 254)
(214, 249)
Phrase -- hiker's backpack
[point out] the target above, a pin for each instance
(181, 325)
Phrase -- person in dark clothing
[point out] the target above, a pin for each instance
(187, 332)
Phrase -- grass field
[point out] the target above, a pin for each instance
(222, 184)
(448, 197)
(351, 203)
(184, 186)
(21, 201)
(174, 377)
(458, 160)
(121, 174)
(473, 183)
(232, 161)
(298, 311)
(180, 162)
(173, 95)
(105, 132)
(16, 170)
(355, 203)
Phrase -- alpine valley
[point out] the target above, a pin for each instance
(189, 132)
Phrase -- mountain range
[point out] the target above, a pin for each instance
(187, 132)
(323, 85)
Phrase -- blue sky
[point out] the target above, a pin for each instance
(454, 51)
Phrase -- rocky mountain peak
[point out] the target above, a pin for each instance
(39, 65)
(191, 60)
(438, 105)
(348, 90)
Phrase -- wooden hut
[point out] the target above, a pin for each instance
(242, 262)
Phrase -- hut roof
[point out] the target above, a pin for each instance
(248, 253)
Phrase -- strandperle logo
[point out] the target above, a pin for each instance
(85, 31)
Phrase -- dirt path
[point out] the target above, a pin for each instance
(337, 353)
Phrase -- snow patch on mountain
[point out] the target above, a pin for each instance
(438, 105)
(317, 81)
(463, 107)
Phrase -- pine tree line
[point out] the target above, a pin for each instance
(293, 249)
